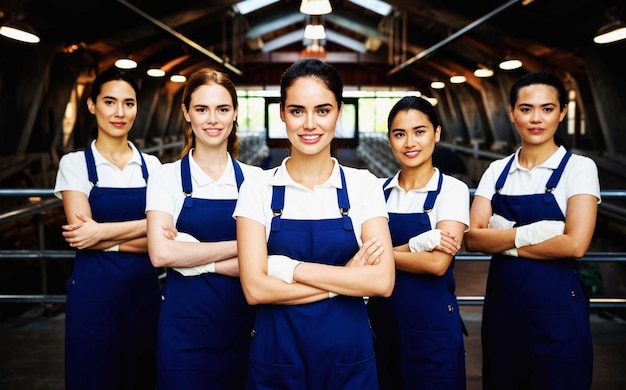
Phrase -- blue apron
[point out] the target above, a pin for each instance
(112, 302)
(535, 330)
(320, 345)
(419, 332)
(205, 323)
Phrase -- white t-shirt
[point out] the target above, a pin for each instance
(165, 190)
(73, 176)
(452, 203)
(364, 192)
(579, 177)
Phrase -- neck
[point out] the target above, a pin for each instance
(310, 170)
(415, 178)
(532, 155)
(212, 161)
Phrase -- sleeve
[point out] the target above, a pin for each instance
(583, 178)
(253, 198)
(374, 204)
(487, 183)
(453, 202)
(152, 162)
(161, 189)
(72, 175)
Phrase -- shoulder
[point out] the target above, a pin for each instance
(582, 161)
(359, 174)
(248, 169)
(73, 156)
(151, 160)
(453, 184)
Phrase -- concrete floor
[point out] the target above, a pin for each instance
(31, 345)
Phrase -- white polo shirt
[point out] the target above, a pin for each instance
(451, 204)
(579, 177)
(165, 190)
(364, 192)
(72, 173)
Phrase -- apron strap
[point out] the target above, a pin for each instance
(91, 165)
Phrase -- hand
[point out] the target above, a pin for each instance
(281, 267)
(169, 232)
(82, 235)
(499, 222)
(425, 242)
(368, 254)
(537, 232)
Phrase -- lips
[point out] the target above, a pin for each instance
(310, 138)
(413, 153)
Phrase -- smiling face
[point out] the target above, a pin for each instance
(536, 114)
(115, 108)
(310, 113)
(211, 115)
(412, 138)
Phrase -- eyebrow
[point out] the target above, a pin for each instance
(318, 106)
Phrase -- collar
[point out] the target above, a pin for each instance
(551, 163)
(282, 178)
(430, 186)
(202, 179)
(100, 160)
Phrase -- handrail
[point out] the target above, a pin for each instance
(38, 207)
(595, 302)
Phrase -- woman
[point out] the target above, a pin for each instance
(419, 340)
(535, 211)
(113, 292)
(311, 215)
(205, 322)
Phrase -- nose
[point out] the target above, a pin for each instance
(410, 140)
(309, 121)
(120, 110)
(212, 117)
(535, 116)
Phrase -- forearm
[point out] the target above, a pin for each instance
(171, 253)
(124, 231)
(369, 280)
(489, 240)
(428, 263)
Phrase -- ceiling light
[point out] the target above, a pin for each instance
(380, 7)
(614, 31)
(457, 79)
(313, 51)
(483, 72)
(155, 72)
(247, 6)
(178, 78)
(19, 31)
(126, 63)
(315, 7)
(314, 31)
(437, 85)
(510, 64)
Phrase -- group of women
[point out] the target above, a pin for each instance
(316, 275)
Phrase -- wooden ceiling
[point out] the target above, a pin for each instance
(420, 41)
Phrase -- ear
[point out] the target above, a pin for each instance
(438, 134)
(91, 106)
(563, 113)
(185, 112)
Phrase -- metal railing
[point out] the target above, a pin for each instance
(48, 201)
